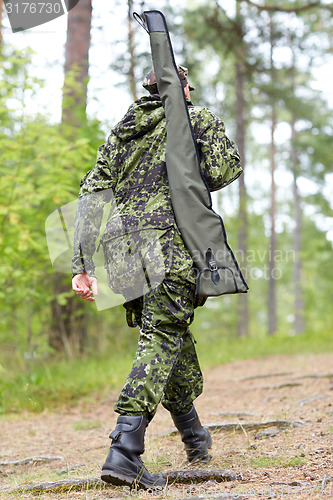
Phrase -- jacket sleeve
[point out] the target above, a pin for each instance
(220, 160)
(96, 189)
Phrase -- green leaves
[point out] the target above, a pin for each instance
(40, 170)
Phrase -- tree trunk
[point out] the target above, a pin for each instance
(131, 72)
(1, 14)
(297, 275)
(298, 293)
(68, 332)
(243, 300)
(60, 333)
(77, 64)
(272, 250)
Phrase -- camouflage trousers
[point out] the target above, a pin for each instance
(165, 366)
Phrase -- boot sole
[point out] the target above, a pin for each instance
(119, 478)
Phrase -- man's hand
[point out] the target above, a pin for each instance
(81, 284)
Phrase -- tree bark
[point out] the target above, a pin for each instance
(272, 324)
(68, 332)
(77, 64)
(60, 333)
(131, 72)
(298, 292)
(297, 274)
(1, 11)
(243, 300)
(272, 247)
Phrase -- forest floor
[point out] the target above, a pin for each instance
(287, 454)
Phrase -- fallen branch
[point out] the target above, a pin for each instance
(317, 375)
(251, 426)
(268, 433)
(234, 414)
(62, 486)
(69, 468)
(310, 400)
(180, 476)
(30, 460)
(265, 375)
(277, 386)
(199, 475)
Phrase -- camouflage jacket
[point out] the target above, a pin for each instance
(130, 172)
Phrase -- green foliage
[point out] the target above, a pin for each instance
(318, 278)
(34, 385)
(41, 165)
(40, 170)
(217, 346)
(275, 53)
(46, 384)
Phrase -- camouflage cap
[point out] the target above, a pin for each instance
(149, 83)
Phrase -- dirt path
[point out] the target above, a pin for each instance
(295, 462)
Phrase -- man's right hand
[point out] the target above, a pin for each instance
(81, 284)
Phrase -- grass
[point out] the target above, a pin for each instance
(214, 350)
(277, 461)
(47, 384)
(86, 425)
(53, 383)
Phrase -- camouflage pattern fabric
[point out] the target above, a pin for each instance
(131, 172)
(137, 262)
(165, 366)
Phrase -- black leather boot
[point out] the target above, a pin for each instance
(196, 439)
(123, 464)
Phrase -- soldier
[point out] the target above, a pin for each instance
(131, 165)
